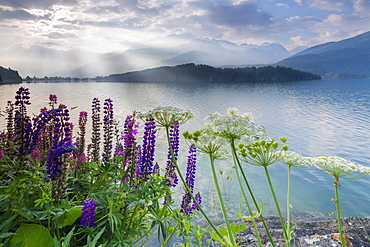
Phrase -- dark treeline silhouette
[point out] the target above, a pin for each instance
(9, 75)
(205, 73)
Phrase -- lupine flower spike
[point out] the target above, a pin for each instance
(186, 206)
(88, 213)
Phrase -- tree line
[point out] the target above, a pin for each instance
(206, 73)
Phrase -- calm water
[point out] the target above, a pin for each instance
(324, 117)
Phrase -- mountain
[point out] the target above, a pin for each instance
(44, 59)
(348, 56)
(197, 50)
(52, 59)
(9, 76)
(205, 73)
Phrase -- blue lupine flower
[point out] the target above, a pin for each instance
(171, 175)
(146, 162)
(88, 213)
(95, 135)
(186, 206)
(54, 159)
(108, 124)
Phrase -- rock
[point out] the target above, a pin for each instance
(318, 232)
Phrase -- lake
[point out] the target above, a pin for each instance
(325, 117)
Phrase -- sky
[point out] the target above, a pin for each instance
(116, 25)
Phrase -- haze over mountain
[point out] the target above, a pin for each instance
(178, 50)
(348, 56)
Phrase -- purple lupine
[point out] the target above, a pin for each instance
(22, 122)
(146, 162)
(129, 147)
(10, 119)
(156, 168)
(171, 175)
(26, 131)
(54, 164)
(199, 200)
(53, 100)
(88, 213)
(95, 135)
(119, 146)
(62, 144)
(79, 154)
(186, 206)
(167, 199)
(108, 125)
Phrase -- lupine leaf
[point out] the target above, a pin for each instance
(32, 235)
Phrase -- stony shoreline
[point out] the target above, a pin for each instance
(318, 232)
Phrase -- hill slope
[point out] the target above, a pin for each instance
(9, 76)
(204, 73)
(349, 56)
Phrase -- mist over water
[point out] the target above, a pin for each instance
(326, 117)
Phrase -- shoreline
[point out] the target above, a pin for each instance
(318, 232)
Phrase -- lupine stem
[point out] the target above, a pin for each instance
(187, 187)
(277, 206)
(222, 205)
(336, 185)
(235, 160)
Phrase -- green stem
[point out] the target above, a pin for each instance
(222, 205)
(336, 185)
(164, 243)
(288, 206)
(288, 213)
(243, 192)
(187, 187)
(256, 204)
(277, 206)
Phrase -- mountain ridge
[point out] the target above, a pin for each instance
(348, 56)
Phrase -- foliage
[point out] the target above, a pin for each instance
(58, 191)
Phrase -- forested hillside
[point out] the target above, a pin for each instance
(205, 73)
(9, 75)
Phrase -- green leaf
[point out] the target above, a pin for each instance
(96, 238)
(32, 235)
(68, 217)
(72, 215)
(235, 229)
(67, 240)
(7, 234)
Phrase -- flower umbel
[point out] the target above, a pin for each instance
(167, 116)
(339, 167)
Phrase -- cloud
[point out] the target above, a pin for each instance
(58, 35)
(39, 4)
(326, 4)
(282, 5)
(361, 5)
(15, 14)
(233, 15)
